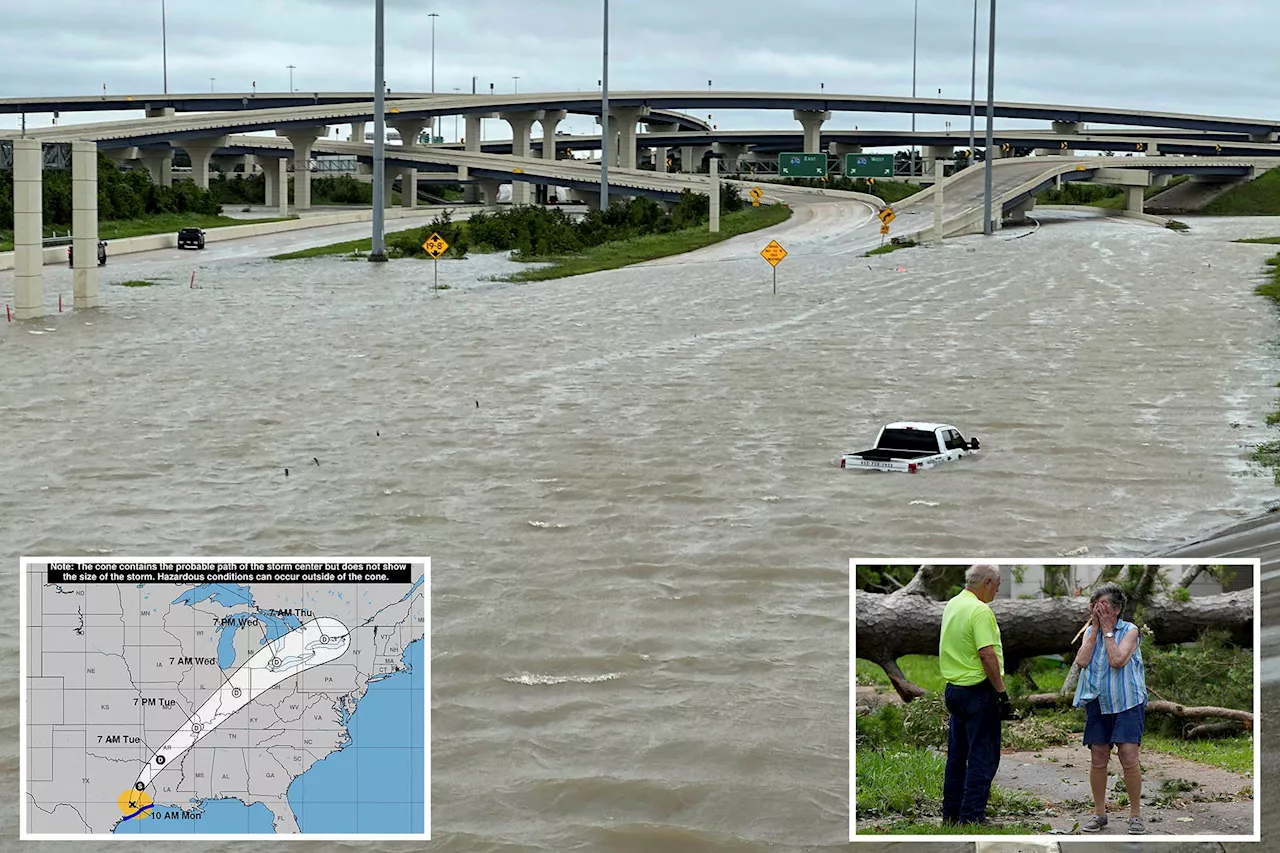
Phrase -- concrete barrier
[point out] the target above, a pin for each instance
(152, 242)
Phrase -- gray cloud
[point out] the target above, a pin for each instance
(1181, 55)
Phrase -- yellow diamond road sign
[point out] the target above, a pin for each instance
(755, 193)
(773, 253)
(887, 215)
(435, 246)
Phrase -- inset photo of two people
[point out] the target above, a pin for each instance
(1055, 698)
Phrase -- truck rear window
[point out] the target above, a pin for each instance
(908, 439)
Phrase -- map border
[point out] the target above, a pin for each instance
(23, 769)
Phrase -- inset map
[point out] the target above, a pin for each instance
(190, 697)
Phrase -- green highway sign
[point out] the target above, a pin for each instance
(802, 165)
(868, 165)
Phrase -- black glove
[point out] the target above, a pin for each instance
(1006, 707)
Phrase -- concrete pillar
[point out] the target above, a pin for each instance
(201, 152)
(521, 122)
(715, 195)
(660, 153)
(550, 120)
(1133, 198)
(410, 130)
(1271, 136)
(489, 191)
(1160, 180)
(28, 230)
(408, 188)
(1073, 127)
(691, 157)
(84, 223)
(729, 155)
(357, 132)
(934, 153)
(160, 165)
(812, 121)
(627, 118)
(281, 170)
(389, 175)
(938, 167)
(270, 177)
(471, 142)
(302, 139)
(591, 198)
(160, 112)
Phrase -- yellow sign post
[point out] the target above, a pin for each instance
(435, 247)
(755, 196)
(774, 253)
(884, 229)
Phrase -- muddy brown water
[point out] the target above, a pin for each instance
(639, 535)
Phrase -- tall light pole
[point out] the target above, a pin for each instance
(973, 82)
(435, 120)
(378, 251)
(515, 84)
(987, 229)
(211, 79)
(164, 47)
(604, 117)
(291, 67)
(915, 36)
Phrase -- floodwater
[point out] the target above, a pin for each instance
(628, 482)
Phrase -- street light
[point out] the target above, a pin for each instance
(991, 114)
(164, 47)
(291, 67)
(211, 79)
(435, 120)
(915, 37)
(378, 249)
(515, 86)
(604, 117)
(973, 81)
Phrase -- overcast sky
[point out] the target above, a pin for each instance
(1178, 55)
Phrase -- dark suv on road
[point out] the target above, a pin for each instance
(191, 237)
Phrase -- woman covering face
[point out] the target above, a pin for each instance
(1113, 692)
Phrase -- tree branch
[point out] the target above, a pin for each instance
(1189, 575)
(921, 581)
(907, 690)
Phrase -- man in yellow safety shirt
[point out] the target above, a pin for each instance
(971, 659)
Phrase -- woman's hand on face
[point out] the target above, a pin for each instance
(1107, 619)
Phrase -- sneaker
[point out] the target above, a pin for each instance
(1136, 826)
(1094, 824)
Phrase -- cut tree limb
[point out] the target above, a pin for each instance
(1157, 706)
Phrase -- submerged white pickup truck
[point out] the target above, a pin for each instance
(910, 446)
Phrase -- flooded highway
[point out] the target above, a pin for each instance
(628, 481)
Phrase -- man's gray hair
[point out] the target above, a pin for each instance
(1113, 591)
(979, 573)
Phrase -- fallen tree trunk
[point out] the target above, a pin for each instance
(890, 626)
(1157, 706)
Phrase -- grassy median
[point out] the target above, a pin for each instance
(160, 223)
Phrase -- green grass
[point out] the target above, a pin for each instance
(624, 253)
(1266, 240)
(1233, 753)
(1259, 197)
(890, 247)
(137, 283)
(907, 782)
(923, 670)
(160, 223)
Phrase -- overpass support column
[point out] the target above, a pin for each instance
(521, 122)
(1134, 198)
(812, 121)
(357, 132)
(275, 178)
(660, 153)
(1069, 127)
(934, 153)
(730, 154)
(160, 165)
(627, 118)
(410, 131)
(471, 142)
(1270, 136)
(84, 223)
(691, 157)
(302, 138)
(160, 112)
(489, 191)
(28, 230)
(201, 152)
(408, 188)
(550, 120)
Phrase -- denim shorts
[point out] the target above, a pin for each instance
(1125, 727)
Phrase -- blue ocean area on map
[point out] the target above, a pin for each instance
(387, 776)
(228, 816)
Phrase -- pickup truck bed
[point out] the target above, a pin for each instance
(911, 446)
